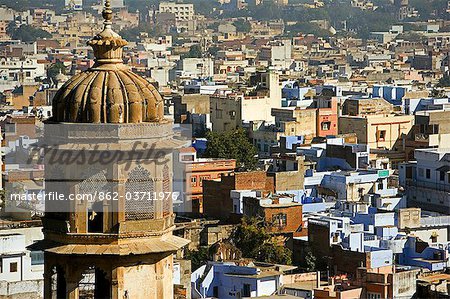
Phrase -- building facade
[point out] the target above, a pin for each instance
(427, 181)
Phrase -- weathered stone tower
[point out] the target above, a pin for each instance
(108, 139)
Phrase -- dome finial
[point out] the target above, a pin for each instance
(107, 44)
(107, 13)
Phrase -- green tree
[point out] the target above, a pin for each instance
(213, 50)
(194, 52)
(132, 34)
(232, 145)
(307, 28)
(412, 37)
(444, 81)
(430, 9)
(27, 33)
(198, 257)
(214, 26)
(252, 238)
(242, 25)
(311, 260)
(54, 69)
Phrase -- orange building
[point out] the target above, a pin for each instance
(327, 118)
(217, 194)
(198, 170)
(281, 214)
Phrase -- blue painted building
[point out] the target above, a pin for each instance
(391, 93)
(418, 253)
(229, 280)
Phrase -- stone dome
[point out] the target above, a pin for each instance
(109, 92)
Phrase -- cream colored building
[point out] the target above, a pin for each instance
(382, 132)
(229, 110)
(296, 122)
(431, 129)
(182, 11)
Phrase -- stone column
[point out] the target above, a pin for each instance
(47, 280)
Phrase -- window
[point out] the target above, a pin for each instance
(435, 129)
(95, 218)
(187, 158)
(10, 128)
(381, 135)
(204, 177)
(422, 129)
(421, 172)
(441, 175)
(326, 125)
(279, 219)
(380, 185)
(193, 181)
(37, 257)
(13, 267)
(373, 296)
(428, 173)
(216, 292)
(335, 237)
(246, 290)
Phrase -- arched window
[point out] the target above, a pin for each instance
(94, 184)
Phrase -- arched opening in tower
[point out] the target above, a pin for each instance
(95, 218)
(58, 283)
(94, 284)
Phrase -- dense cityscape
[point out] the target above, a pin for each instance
(225, 149)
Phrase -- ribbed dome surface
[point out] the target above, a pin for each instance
(109, 93)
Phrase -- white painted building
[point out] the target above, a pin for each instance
(427, 181)
(196, 68)
(14, 72)
(182, 11)
(21, 270)
(74, 4)
(17, 263)
(238, 199)
(227, 280)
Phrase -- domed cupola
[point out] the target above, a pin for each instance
(109, 92)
